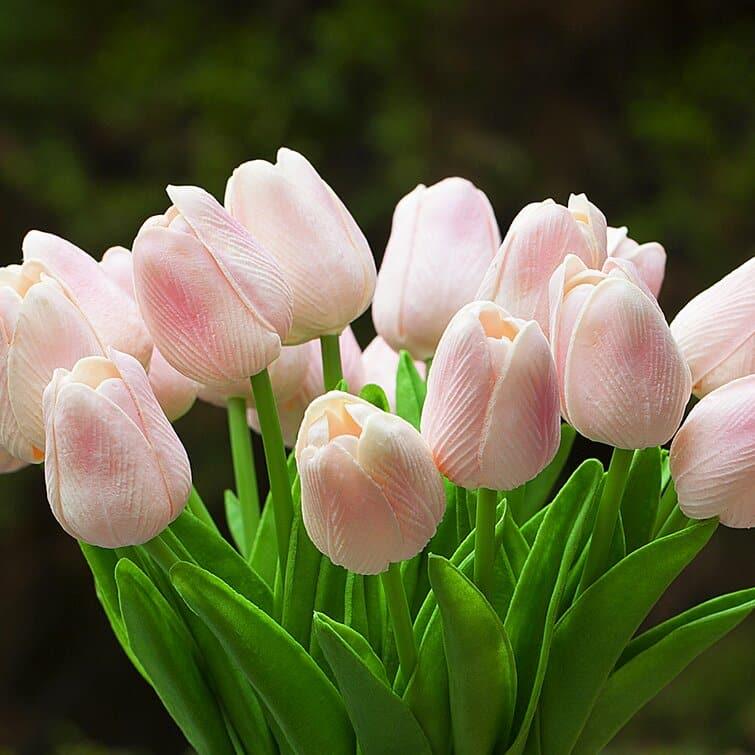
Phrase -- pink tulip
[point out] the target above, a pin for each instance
(292, 405)
(174, 392)
(622, 378)
(116, 472)
(8, 463)
(370, 493)
(491, 414)
(648, 258)
(716, 330)
(540, 237)
(215, 302)
(380, 364)
(713, 456)
(442, 240)
(323, 255)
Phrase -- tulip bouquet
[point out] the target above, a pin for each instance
(426, 575)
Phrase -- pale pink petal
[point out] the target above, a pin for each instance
(174, 392)
(592, 223)
(118, 265)
(650, 261)
(10, 464)
(380, 363)
(713, 456)
(740, 362)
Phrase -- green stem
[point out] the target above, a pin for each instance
(484, 540)
(277, 468)
(395, 597)
(666, 506)
(332, 373)
(243, 467)
(161, 553)
(676, 521)
(605, 520)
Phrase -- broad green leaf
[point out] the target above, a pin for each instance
(514, 544)
(581, 657)
(538, 491)
(535, 604)
(313, 720)
(463, 525)
(382, 720)
(102, 562)
(357, 643)
(480, 661)
(215, 554)
(302, 572)
(618, 547)
(374, 601)
(195, 504)
(165, 648)
(410, 390)
(639, 504)
(355, 605)
(530, 528)
(376, 396)
(675, 644)
(235, 523)
(329, 600)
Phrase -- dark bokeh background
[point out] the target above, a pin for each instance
(646, 106)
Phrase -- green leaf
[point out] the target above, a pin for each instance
(382, 720)
(162, 643)
(376, 396)
(410, 390)
(235, 522)
(216, 555)
(534, 607)
(639, 504)
(480, 661)
(195, 504)
(538, 491)
(658, 656)
(377, 612)
(314, 719)
(514, 545)
(329, 600)
(531, 527)
(581, 657)
(463, 524)
(357, 643)
(355, 605)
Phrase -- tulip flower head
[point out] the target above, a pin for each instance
(648, 258)
(380, 366)
(322, 252)
(713, 456)
(540, 237)
(622, 379)
(442, 240)
(116, 472)
(716, 330)
(370, 493)
(491, 413)
(215, 301)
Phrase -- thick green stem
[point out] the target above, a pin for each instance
(332, 373)
(161, 553)
(395, 597)
(243, 467)
(484, 540)
(275, 456)
(607, 516)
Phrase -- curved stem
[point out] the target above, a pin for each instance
(395, 597)
(332, 373)
(608, 514)
(275, 456)
(243, 467)
(484, 540)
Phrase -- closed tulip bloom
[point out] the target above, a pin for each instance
(713, 456)
(491, 413)
(322, 252)
(622, 378)
(716, 330)
(649, 258)
(442, 240)
(370, 493)
(380, 364)
(540, 237)
(215, 301)
(116, 472)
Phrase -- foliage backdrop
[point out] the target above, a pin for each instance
(648, 107)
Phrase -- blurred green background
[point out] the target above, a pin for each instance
(646, 106)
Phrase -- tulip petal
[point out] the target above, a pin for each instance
(8, 463)
(625, 382)
(650, 261)
(345, 513)
(174, 392)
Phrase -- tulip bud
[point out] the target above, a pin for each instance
(299, 219)
(716, 330)
(380, 366)
(713, 456)
(648, 258)
(370, 493)
(491, 413)
(621, 376)
(215, 302)
(540, 237)
(116, 472)
(442, 240)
